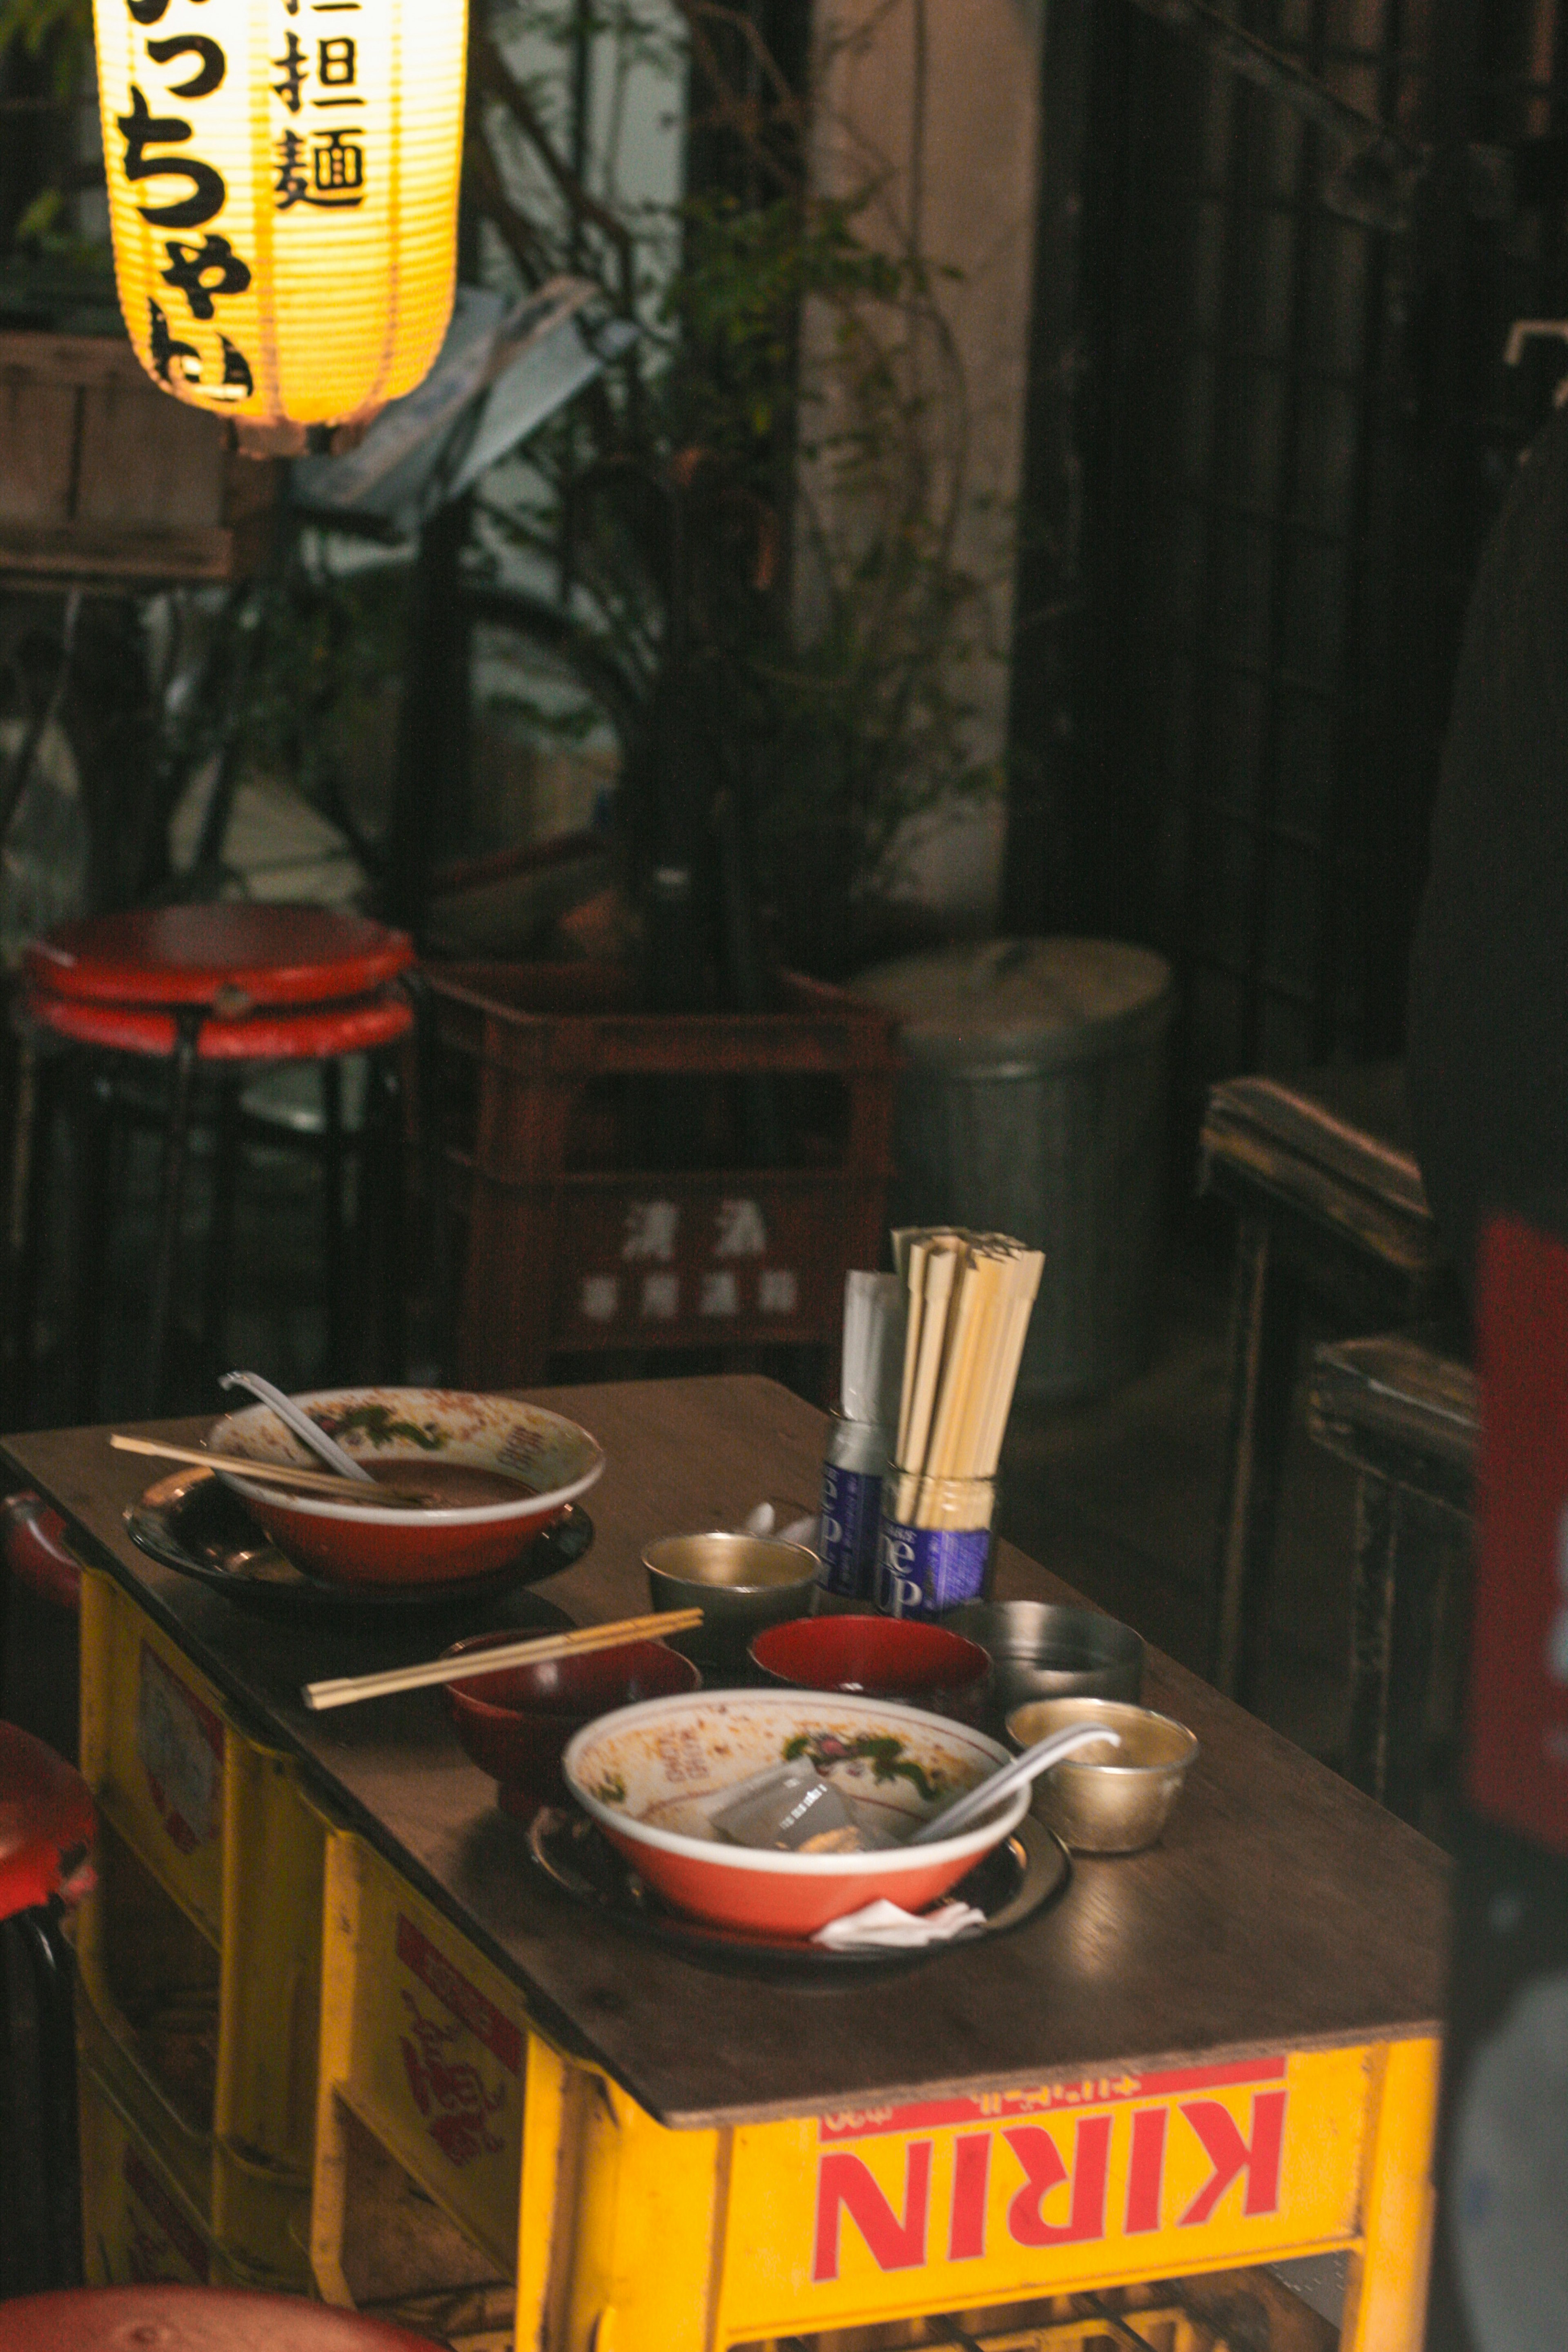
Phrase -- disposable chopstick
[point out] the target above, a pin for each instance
(347, 1690)
(965, 1323)
(269, 1473)
(940, 1269)
(1026, 1283)
(915, 1277)
(952, 1452)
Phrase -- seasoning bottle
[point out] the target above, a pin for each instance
(861, 1442)
(852, 1470)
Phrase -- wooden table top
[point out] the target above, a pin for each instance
(1282, 1910)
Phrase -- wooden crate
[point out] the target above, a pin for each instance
(573, 1246)
(103, 477)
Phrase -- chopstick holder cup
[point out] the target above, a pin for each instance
(935, 1543)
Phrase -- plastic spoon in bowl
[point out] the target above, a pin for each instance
(967, 1810)
(294, 1417)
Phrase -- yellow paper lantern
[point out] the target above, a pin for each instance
(283, 196)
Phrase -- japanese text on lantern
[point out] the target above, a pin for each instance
(319, 163)
(159, 145)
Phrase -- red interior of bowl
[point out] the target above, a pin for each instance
(887, 1657)
(515, 1724)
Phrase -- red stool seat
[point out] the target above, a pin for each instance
(231, 954)
(46, 1824)
(190, 2319)
(316, 1035)
(208, 990)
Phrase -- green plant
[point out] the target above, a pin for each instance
(759, 513)
(743, 542)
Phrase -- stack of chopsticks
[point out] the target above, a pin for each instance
(970, 1297)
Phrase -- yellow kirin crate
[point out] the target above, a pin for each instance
(138, 2224)
(425, 2042)
(154, 1746)
(200, 1951)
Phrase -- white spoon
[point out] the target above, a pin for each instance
(968, 1809)
(294, 1417)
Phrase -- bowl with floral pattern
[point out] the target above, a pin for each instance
(652, 1776)
(493, 1471)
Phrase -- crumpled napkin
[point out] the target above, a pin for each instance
(883, 1926)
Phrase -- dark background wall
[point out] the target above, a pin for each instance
(1264, 442)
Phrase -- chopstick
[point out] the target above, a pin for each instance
(271, 1473)
(347, 1690)
(970, 1299)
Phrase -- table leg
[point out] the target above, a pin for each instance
(1386, 2304)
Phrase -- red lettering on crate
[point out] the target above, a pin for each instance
(499, 2035)
(1231, 2154)
(1044, 2170)
(1089, 2090)
(180, 1742)
(1144, 2168)
(846, 2181)
(971, 2172)
(452, 2099)
(895, 2244)
(143, 2255)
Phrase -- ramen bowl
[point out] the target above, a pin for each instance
(1105, 1799)
(551, 1460)
(515, 1723)
(651, 1777)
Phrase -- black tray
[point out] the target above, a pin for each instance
(1012, 1883)
(196, 1524)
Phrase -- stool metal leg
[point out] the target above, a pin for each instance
(1266, 1322)
(339, 1272)
(1403, 1547)
(29, 1147)
(217, 1285)
(51, 1963)
(423, 1111)
(384, 1228)
(95, 1117)
(40, 2225)
(176, 1144)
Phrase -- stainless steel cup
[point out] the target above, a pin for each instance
(741, 1583)
(1045, 1650)
(1117, 1802)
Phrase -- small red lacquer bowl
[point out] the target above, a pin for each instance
(516, 1722)
(885, 1657)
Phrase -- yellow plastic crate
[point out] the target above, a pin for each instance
(138, 2223)
(200, 1951)
(155, 1748)
(425, 2043)
(257, 2212)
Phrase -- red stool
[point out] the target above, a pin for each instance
(191, 2319)
(46, 1829)
(216, 991)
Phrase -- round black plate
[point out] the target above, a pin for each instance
(1010, 1885)
(194, 1523)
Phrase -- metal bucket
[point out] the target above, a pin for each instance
(1033, 1103)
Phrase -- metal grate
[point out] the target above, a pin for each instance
(1292, 430)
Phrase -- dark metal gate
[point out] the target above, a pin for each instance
(1265, 441)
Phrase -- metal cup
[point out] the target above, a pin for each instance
(741, 1583)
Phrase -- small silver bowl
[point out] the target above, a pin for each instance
(1041, 1649)
(742, 1584)
(1114, 1800)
